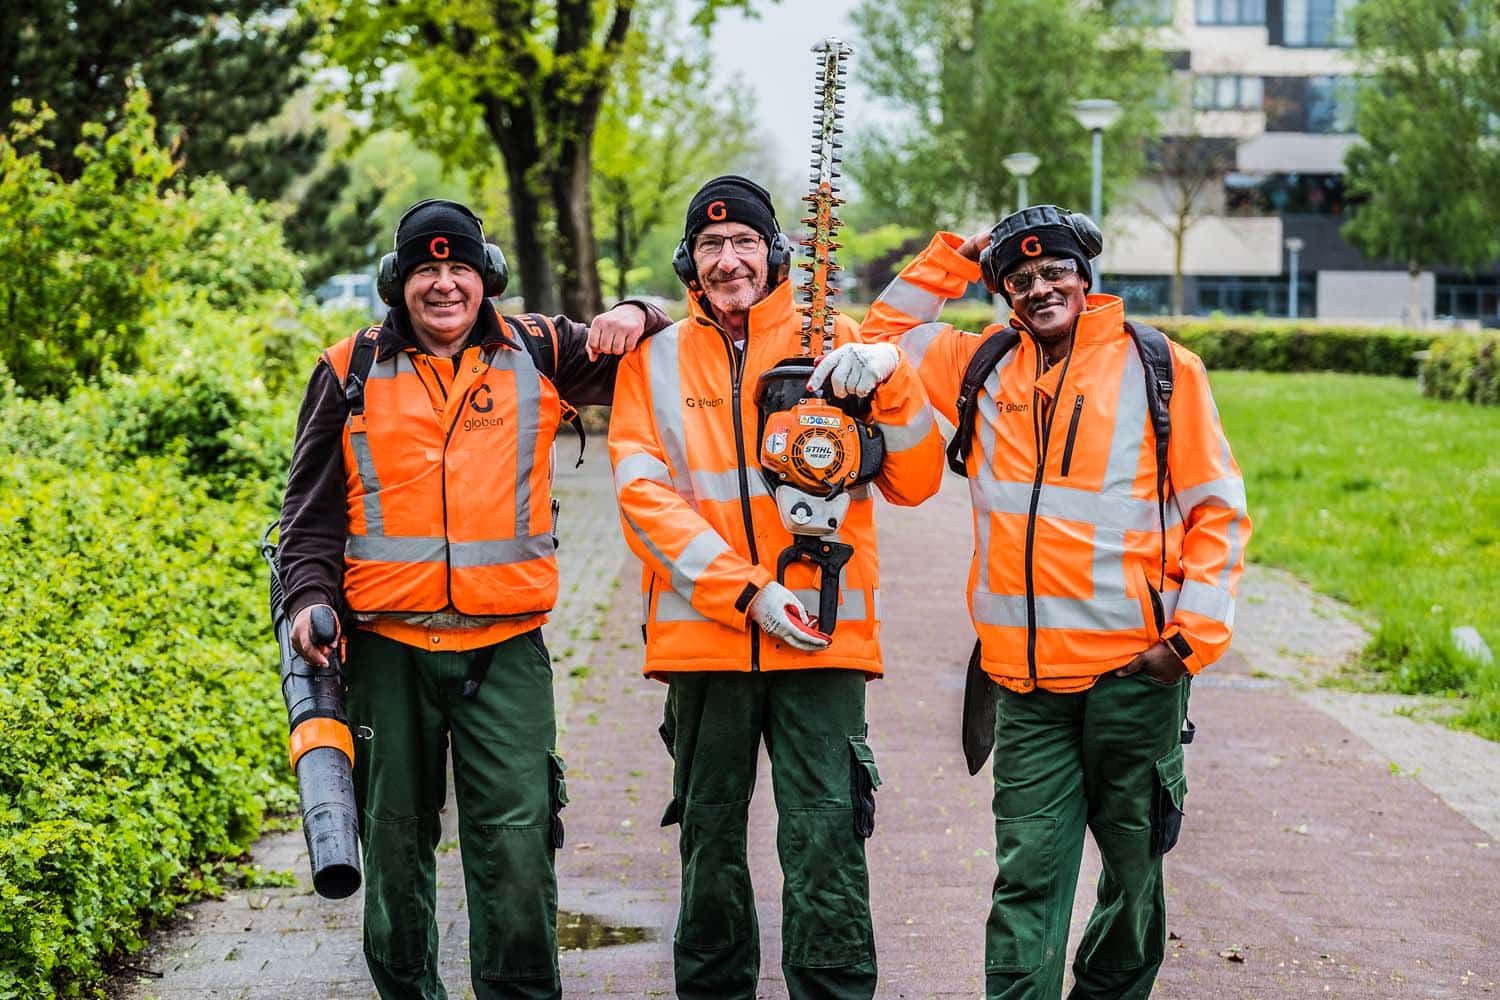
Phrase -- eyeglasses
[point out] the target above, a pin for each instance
(1020, 282)
(711, 246)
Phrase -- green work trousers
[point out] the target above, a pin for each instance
(406, 707)
(1109, 759)
(824, 777)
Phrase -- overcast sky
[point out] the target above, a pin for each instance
(773, 55)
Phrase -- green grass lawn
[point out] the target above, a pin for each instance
(1388, 501)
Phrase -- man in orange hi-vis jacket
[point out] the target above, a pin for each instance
(732, 643)
(1096, 590)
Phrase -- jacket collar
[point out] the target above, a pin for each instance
(770, 315)
(396, 333)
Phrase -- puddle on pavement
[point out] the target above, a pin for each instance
(577, 931)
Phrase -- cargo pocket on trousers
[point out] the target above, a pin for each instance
(1166, 807)
(557, 797)
(864, 778)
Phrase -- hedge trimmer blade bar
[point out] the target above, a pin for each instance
(823, 201)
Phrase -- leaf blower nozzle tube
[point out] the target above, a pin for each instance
(321, 747)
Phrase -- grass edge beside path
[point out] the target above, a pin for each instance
(1387, 501)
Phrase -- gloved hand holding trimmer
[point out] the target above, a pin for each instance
(855, 369)
(781, 615)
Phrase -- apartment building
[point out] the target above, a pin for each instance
(1272, 82)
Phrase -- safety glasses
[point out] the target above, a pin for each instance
(1021, 282)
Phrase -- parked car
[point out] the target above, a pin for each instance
(352, 290)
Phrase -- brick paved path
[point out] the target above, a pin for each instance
(1314, 863)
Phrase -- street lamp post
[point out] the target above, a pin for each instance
(1294, 245)
(1096, 115)
(1021, 166)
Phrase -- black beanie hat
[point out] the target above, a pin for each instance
(438, 230)
(731, 199)
(1039, 231)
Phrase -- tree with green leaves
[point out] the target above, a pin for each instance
(665, 129)
(1426, 169)
(526, 78)
(977, 81)
(218, 72)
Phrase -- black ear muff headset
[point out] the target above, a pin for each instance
(1036, 217)
(778, 262)
(495, 272)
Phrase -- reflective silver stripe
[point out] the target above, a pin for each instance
(673, 607)
(1131, 419)
(1208, 601)
(641, 466)
(706, 546)
(1121, 513)
(691, 564)
(500, 551)
(390, 367)
(918, 303)
(364, 461)
(396, 548)
(725, 486)
(1232, 558)
(462, 555)
(1093, 615)
(1228, 492)
(666, 405)
(987, 423)
(528, 389)
(369, 481)
(916, 341)
(900, 437)
(851, 603)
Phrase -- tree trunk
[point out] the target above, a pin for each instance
(624, 246)
(1179, 238)
(578, 253)
(513, 129)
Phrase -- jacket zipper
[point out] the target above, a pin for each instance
(1067, 461)
(737, 367)
(1042, 433)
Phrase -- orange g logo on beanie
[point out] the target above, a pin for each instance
(1031, 246)
(438, 248)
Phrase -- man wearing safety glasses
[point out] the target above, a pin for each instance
(1110, 530)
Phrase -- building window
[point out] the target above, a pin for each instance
(1331, 104)
(1469, 298)
(1231, 11)
(1256, 296)
(1284, 194)
(1316, 23)
(1144, 294)
(1228, 93)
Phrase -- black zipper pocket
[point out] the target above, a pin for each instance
(1067, 461)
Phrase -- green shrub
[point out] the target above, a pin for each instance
(1418, 659)
(139, 704)
(1464, 367)
(1256, 344)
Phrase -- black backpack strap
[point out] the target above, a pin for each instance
(995, 347)
(536, 333)
(1156, 358)
(361, 360)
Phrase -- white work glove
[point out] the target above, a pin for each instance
(855, 369)
(781, 615)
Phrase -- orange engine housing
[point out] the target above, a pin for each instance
(813, 446)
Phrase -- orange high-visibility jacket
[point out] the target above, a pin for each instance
(452, 509)
(1067, 582)
(696, 510)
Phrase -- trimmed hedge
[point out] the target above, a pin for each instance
(1464, 367)
(1263, 345)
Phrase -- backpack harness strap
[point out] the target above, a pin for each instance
(536, 333)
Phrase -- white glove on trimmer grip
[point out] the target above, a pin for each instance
(855, 369)
(773, 609)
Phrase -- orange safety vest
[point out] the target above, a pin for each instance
(1066, 583)
(450, 509)
(684, 441)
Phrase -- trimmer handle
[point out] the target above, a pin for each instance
(829, 556)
